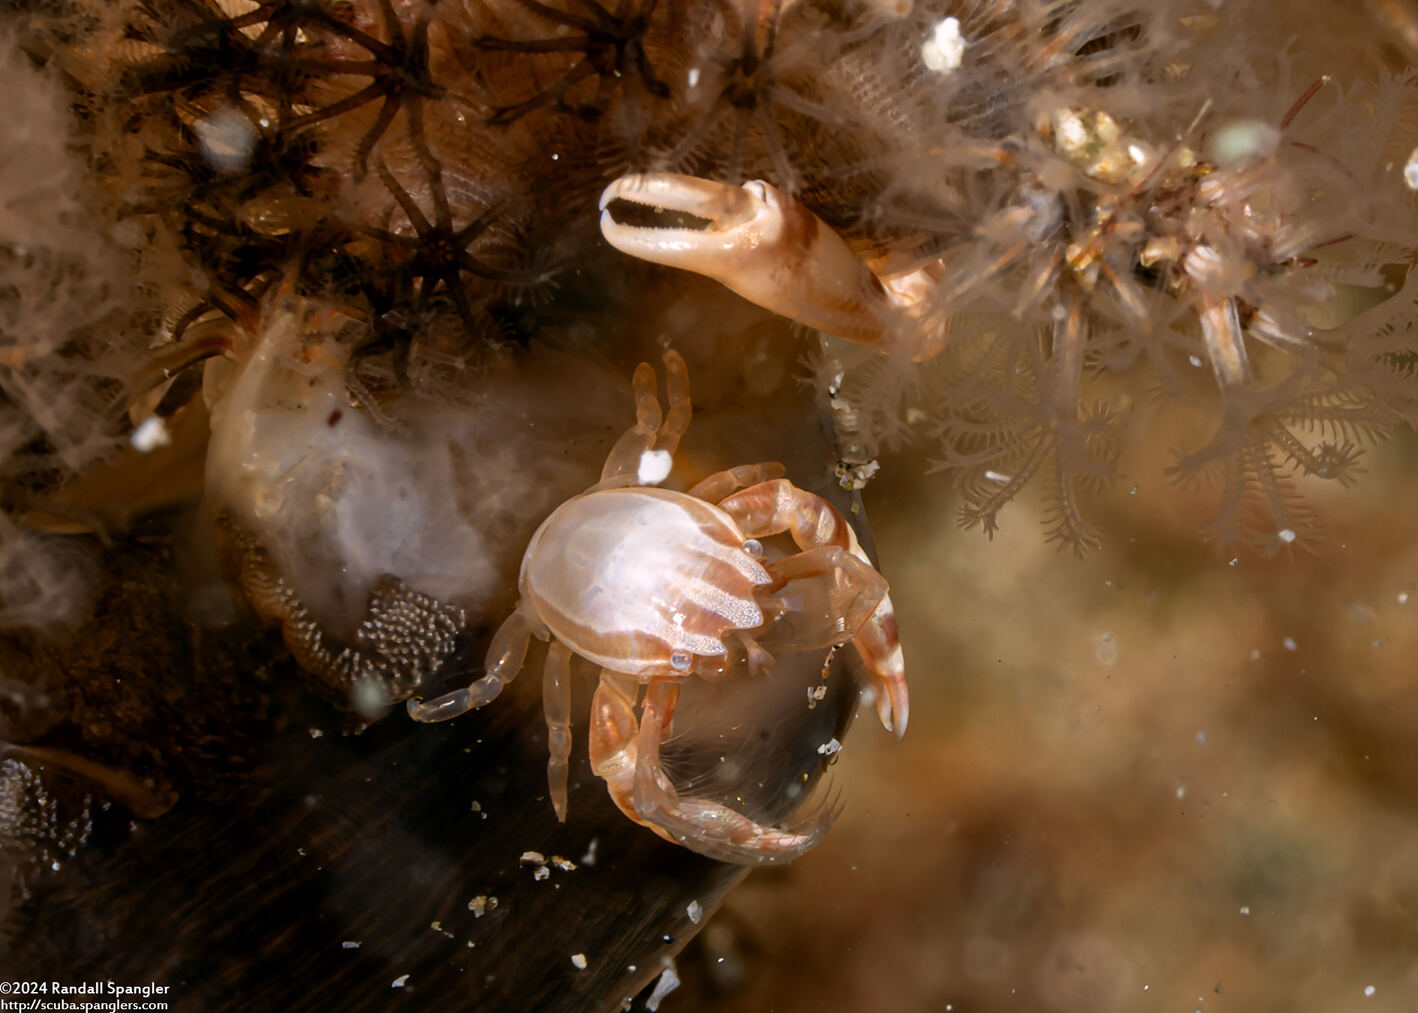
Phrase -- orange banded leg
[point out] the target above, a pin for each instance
(628, 758)
(721, 483)
(772, 508)
(556, 705)
(819, 598)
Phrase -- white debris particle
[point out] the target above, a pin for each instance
(692, 78)
(829, 748)
(478, 807)
(815, 696)
(856, 476)
(226, 139)
(533, 858)
(150, 434)
(481, 905)
(564, 864)
(400, 981)
(1201, 738)
(654, 467)
(578, 961)
(589, 858)
(1105, 651)
(350, 944)
(669, 981)
(438, 927)
(1246, 909)
(1242, 141)
(1285, 535)
(1195, 360)
(1403, 597)
(695, 911)
(368, 699)
(1369, 989)
(944, 51)
(1410, 171)
(998, 476)
(1182, 788)
(542, 873)
(1289, 643)
(316, 733)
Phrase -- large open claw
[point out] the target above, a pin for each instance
(625, 752)
(770, 249)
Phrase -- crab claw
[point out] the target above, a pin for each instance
(767, 247)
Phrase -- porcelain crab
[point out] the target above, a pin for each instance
(657, 586)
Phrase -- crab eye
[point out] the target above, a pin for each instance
(681, 660)
(754, 548)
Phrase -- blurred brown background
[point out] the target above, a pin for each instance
(1152, 779)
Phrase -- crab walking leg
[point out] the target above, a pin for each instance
(707, 827)
(626, 754)
(721, 483)
(626, 463)
(504, 660)
(556, 704)
(819, 598)
(771, 508)
(769, 248)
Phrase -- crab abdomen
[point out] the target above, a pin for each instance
(629, 577)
